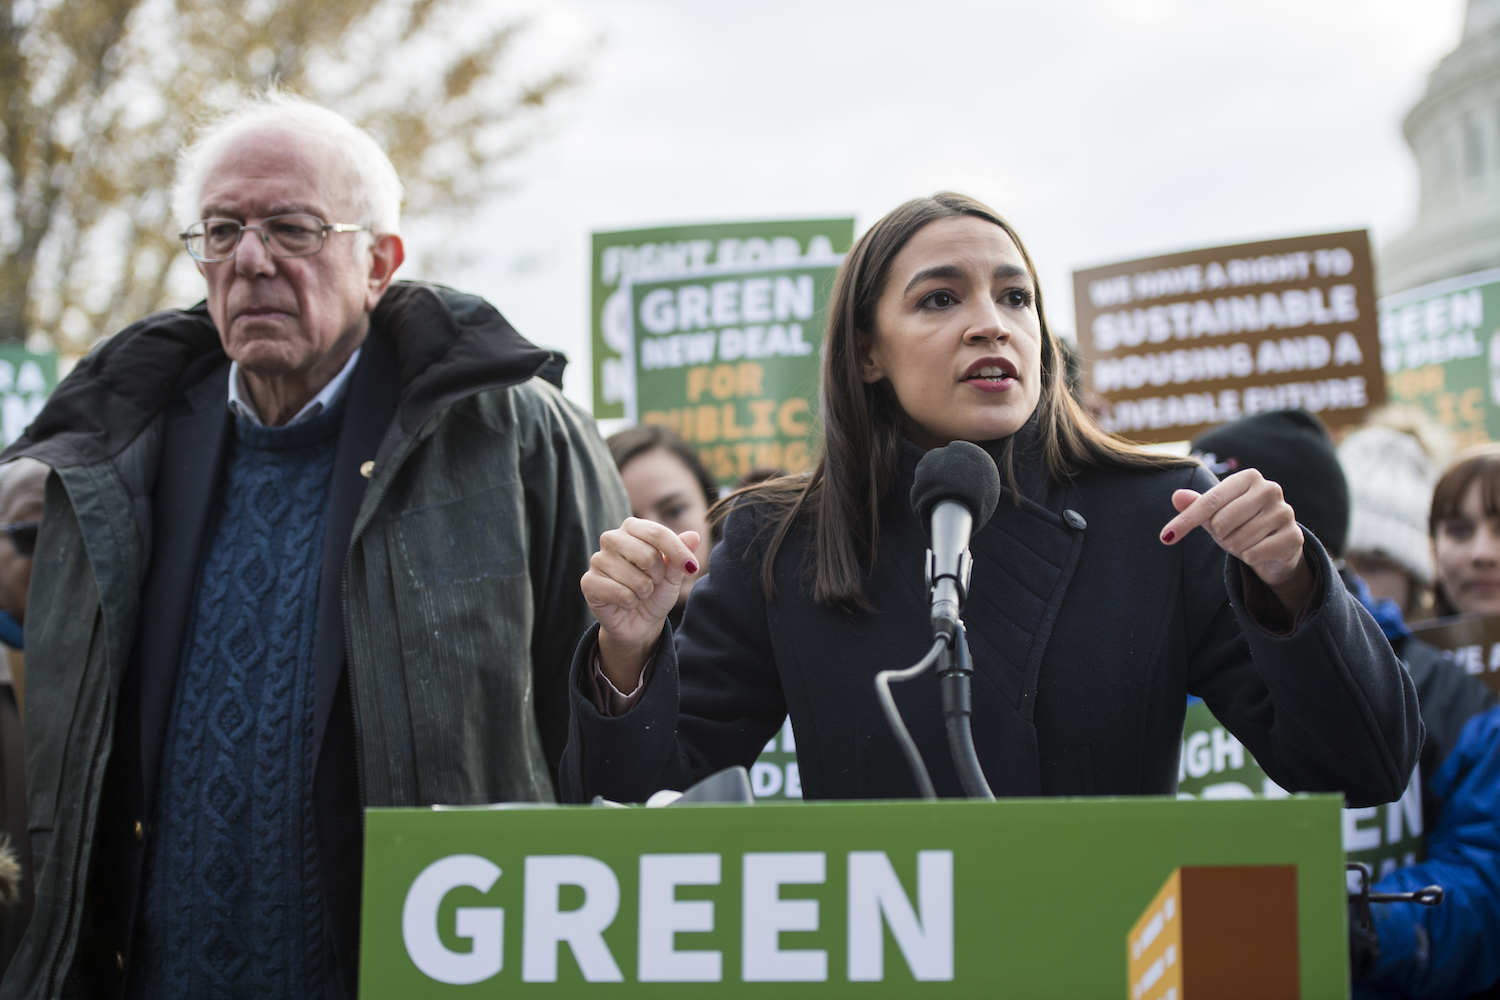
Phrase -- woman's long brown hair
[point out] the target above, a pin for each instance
(862, 424)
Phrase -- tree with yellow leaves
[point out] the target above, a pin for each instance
(97, 96)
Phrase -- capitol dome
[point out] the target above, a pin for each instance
(1454, 132)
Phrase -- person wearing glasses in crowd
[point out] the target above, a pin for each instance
(263, 512)
(21, 485)
(20, 515)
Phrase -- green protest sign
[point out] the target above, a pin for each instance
(26, 379)
(626, 256)
(729, 361)
(1215, 765)
(862, 899)
(1440, 351)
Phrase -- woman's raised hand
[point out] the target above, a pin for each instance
(632, 582)
(1248, 517)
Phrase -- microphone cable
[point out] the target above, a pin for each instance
(954, 673)
(893, 714)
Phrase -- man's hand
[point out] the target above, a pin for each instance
(1248, 517)
(633, 581)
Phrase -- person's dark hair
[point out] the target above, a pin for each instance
(635, 441)
(757, 475)
(1072, 370)
(1480, 465)
(1293, 449)
(862, 424)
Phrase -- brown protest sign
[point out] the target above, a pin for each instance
(1471, 641)
(1178, 343)
(1218, 931)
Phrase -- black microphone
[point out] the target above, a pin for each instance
(956, 489)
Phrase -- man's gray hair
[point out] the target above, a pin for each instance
(377, 194)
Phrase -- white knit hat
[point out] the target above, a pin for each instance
(1391, 477)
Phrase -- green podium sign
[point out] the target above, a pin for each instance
(1028, 898)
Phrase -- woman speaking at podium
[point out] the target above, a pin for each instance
(1109, 583)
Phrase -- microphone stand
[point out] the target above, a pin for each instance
(955, 488)
(955, 670)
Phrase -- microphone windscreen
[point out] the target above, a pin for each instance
(962, 472)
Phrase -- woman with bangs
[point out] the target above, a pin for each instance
(1465, 527)
(1095, 606)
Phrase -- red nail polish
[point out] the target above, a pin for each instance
(1167, 536)
(691, 567)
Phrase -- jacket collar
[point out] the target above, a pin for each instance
(1027, 462)
(447, 345)
(1024, 560)
(242, 405)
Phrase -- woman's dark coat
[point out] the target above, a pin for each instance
(1086, 631)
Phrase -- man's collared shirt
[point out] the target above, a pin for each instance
(241, 405)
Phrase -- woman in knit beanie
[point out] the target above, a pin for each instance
(1392, 465)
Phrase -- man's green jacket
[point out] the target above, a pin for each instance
(466, 499)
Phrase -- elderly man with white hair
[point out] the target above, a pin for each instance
(309, 546)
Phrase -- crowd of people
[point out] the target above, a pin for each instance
(330, 541)
(1406, 949)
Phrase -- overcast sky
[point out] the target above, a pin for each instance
(1104, 129)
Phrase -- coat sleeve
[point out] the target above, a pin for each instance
(1325, 707)
(573, 495)
(1450, 950)
(713, 700)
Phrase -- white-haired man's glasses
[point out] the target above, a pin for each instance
(213, 240)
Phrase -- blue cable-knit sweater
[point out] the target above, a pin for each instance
(232, 905)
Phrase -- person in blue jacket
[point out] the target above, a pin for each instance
(1450, 950)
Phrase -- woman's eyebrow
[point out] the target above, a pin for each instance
(952, 272)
